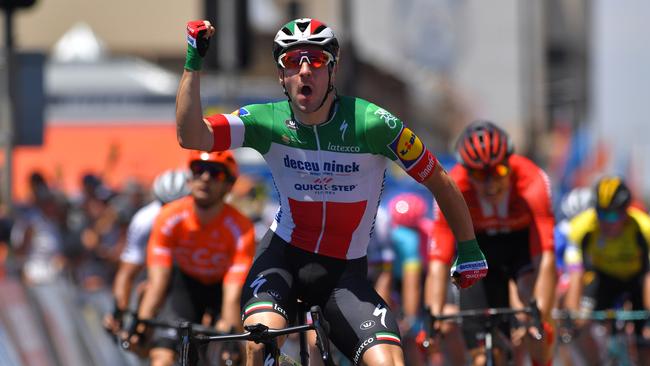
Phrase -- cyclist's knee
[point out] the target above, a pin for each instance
(271, 320)
(384, 355)
(162, 357)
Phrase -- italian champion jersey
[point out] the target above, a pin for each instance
(329, 176)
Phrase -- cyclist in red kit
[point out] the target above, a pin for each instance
(510, 203)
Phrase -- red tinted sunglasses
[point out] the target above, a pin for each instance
(497, 171)
(315, 58)
(216, 171)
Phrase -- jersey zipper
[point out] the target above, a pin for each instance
(324, 207)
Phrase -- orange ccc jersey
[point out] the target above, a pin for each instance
(219, 251)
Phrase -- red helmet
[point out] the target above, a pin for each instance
(407, 209)
(483, 145)
(225, 158)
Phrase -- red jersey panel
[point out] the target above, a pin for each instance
(527, 206)
(220, 251)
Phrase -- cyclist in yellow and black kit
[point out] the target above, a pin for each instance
(607, 258)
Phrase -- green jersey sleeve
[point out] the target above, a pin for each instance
(388, 136)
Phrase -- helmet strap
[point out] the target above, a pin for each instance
(330, 87)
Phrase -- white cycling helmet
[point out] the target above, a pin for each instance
(576, 201)
(171, 185)
(305, 31)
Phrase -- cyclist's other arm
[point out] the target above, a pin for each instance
(545, 284)
(230, 316)
(574, 263)
(646, 291)
(383, 284)
(470, 265)
(435, 287)
(235, 278)
(451, 203)
(191, 130)
(574, 293)
(537, 193)
(123, 283)
(158, 280)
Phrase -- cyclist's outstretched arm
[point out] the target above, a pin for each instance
(451, 202)
(191, 130)
(470, 265)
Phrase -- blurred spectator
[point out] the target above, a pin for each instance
(96, 223)
(251, 197)
(5, 233)
(36, 234)
(127, 202)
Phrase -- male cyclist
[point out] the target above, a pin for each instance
(607, 258)
(409, 234)
(327, 154)
(198, 255)
(168, 186)
(509, 200)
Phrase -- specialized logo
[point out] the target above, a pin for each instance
(341, 148)
(291, 124)
(328, 166)
(242, 112)
(389, 119)
(269, 361)
(359, 351)
(381, 311)
(367, 324)
(274, 294)
(257, 283)
(343, 128)
(191, 40)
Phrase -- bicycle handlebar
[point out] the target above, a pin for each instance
(625, 315)
(487, 313)
(260, 333)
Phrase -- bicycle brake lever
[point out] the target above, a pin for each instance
(537, 319)
(429, 329)
(258, 332)
(321, 326)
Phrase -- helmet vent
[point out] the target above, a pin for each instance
(286, 31)
(319, 39)
(319, 29)
(302, 26)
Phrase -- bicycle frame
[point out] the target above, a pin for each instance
(616, 345)
(260, 333)
(490, 319)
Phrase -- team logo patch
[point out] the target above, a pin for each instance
(407, 147)
(367, 324)
(241, 112)
(291, 124)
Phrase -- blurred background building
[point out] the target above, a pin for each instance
(564, 77)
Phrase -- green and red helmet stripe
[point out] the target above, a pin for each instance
(314, 24)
